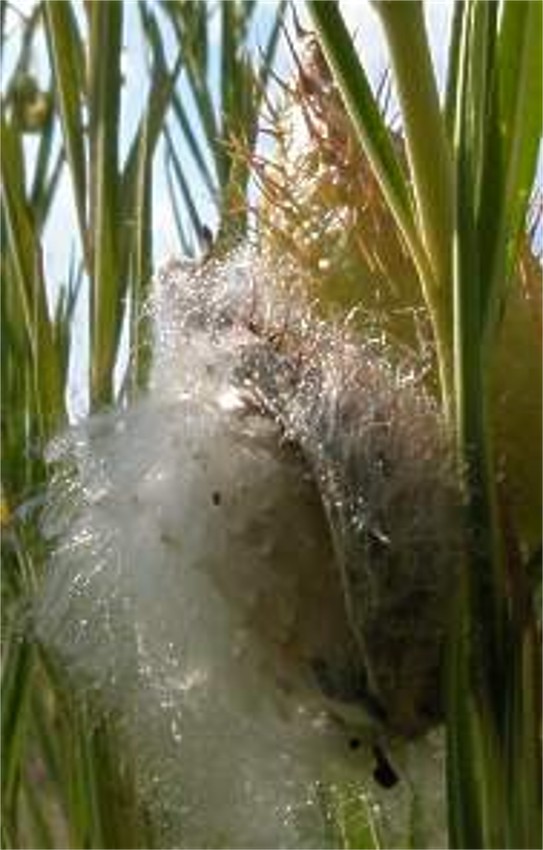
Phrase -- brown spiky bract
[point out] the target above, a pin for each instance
(323, 209)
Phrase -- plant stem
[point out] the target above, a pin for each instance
(430, 163)
(429, 153)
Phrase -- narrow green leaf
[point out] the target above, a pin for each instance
(140, 265)
(186, 245)
(451, 91)
(137, 240)
(37, 808)
(372, 132)
(16, 673)
(463, 782)
(272, 45)
(66, 53)
(230, 82)
(514, 138)
(194, 147)
(26, 254)
(474, 454)
(362, 107)
(482, 45)
(182, 184)
(45, 199)
(41, 168)
(105, 22)
(430, 157)
(64, 314)
(190, 23)
(151, 124)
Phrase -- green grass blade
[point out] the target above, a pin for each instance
(26, 253)
(67, 61)
(451, 90)
(43, 201)
(523, 710)
(64, 316)
(472, 433)
(270, 50)
(463, 782)
(189, 21)
(105, 23)
(139, 272)
(230, 82)
(41, 169)
(194, 147)
(186, 244)
(424, 129)
(377, 144)
(41, 829)
(514, 138)
(524, 755)
(137, 236)
(482, 43)
(182, 183)
(163, 82)
(152, 122)
(364, 111)
(17, 665)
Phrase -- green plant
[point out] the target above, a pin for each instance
(471, 168)
(64, 780)
(63, 776)
(222, 117)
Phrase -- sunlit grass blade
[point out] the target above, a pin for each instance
(105, 24)
(523, 710)
(434, 196)
(367, 121)
(187, 247)
(27, 265)
(40, 178)
(230, 84)
(161, 92)
(17, 663)
(182, 183)
(195, 148)
(140, 252)
(190, 22)
(67, 61)
(137, 236)
(268, 53)
(42, 201)
(524, 751)
(481, 34)
(41, 829)
(354, 820)
(513, 141)
(236, 113)
(64, 316)
(473, 437)
(16, 400)
(453, 61)
(463, 782)
(424, 130)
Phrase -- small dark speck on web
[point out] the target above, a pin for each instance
(384, 773)
(354, 743)
(216, 497)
